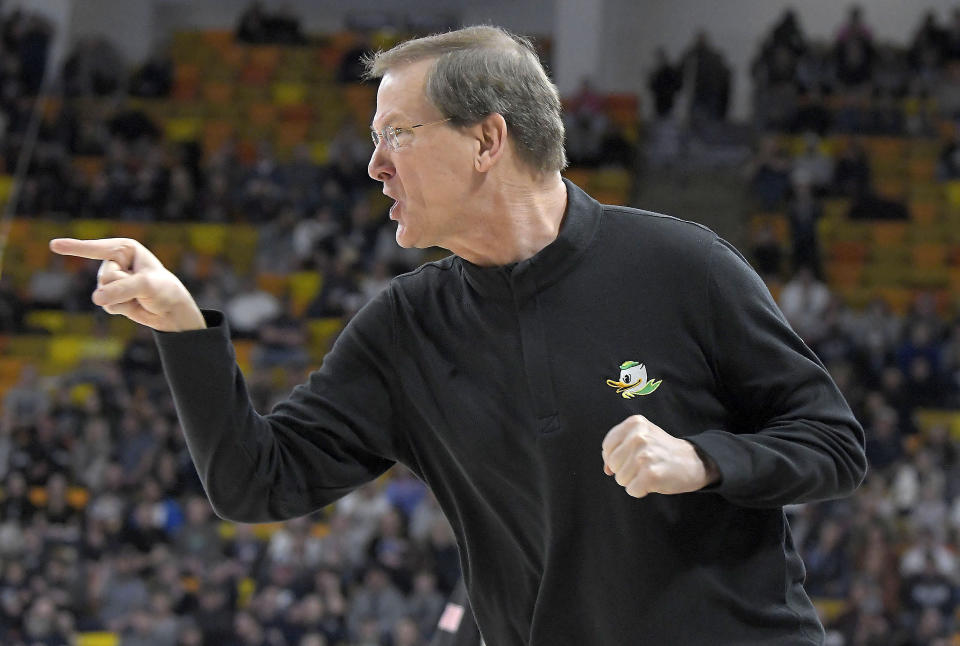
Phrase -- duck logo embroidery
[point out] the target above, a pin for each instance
(633, 380)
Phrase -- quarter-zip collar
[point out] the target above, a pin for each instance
(521, 280)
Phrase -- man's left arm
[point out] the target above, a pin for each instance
(797, 439)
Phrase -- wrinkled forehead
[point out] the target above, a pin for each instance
(402, 95)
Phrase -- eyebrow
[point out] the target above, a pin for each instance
(384, 119)
(391, 116)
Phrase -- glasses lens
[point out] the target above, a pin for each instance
(392, 137)
(375, 137)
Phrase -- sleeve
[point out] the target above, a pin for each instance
(794, 438)
(328, 437)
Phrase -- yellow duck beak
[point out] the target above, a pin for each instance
(619, 385)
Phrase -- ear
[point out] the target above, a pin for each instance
(492, 136)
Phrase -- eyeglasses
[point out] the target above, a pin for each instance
(392, 136)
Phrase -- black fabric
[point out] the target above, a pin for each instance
(490, 384)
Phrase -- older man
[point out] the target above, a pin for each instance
(561, 336)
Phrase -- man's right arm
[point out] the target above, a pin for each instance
(331, 435)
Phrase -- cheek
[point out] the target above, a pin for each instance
(443, 173)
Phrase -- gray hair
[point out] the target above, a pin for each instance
(483, 70)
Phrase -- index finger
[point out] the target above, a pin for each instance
(120, 250)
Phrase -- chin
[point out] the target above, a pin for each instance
(405, 237)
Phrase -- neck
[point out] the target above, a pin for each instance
(513, 220)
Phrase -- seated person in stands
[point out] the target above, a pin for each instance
(948, 165)
(769, 173)
(251, 27)
(154, 78)
(868, 205)
(851, 174)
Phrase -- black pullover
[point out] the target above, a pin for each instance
(490, 384)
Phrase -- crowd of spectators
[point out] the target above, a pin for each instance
(857, 84)
(103, 521)
(139, 552)
(888, 552)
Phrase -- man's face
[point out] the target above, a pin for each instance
(430, 175)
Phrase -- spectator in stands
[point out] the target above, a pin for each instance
(340, 293)
(12, 307)
(946, 91)
(804, 301)
(252, 26)
(214, 616)
(951, 39)
(51, 287)
(34, 35)
(774, 72)
(16, 506)
(94, 67)
(804, 213)
(948, 163)
(283, 26)
(769, 173)
(884, 439)
(827, 561)
(851, 173)
(709, 80)
(891, 76)
(767, 253)
(40, 623)
(282, 340)
(425, 604)
(154, 78)
(854, 51)
(303, 178)
(928, 44)
(812, 165)
(811, 114)
(198, 538)
(27, 401)
(664, 82)
(406, 633)
(854, 28)
(351, 68)
(250, 308)
(376, 600)
(928, 590)
(869, 205)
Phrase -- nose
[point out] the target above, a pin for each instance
(380, 167)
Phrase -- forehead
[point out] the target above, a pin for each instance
(402, 94)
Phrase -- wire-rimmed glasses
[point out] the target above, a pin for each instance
(394, 137)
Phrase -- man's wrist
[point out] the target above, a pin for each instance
(190, 318)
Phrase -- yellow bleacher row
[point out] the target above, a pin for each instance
(892, 260)
(284, 94)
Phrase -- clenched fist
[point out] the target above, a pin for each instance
(646, 459)
(132, 282)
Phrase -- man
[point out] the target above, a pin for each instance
(560, 332)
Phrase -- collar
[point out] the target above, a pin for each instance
(521, 280)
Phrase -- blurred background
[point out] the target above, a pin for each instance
(232, 139)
